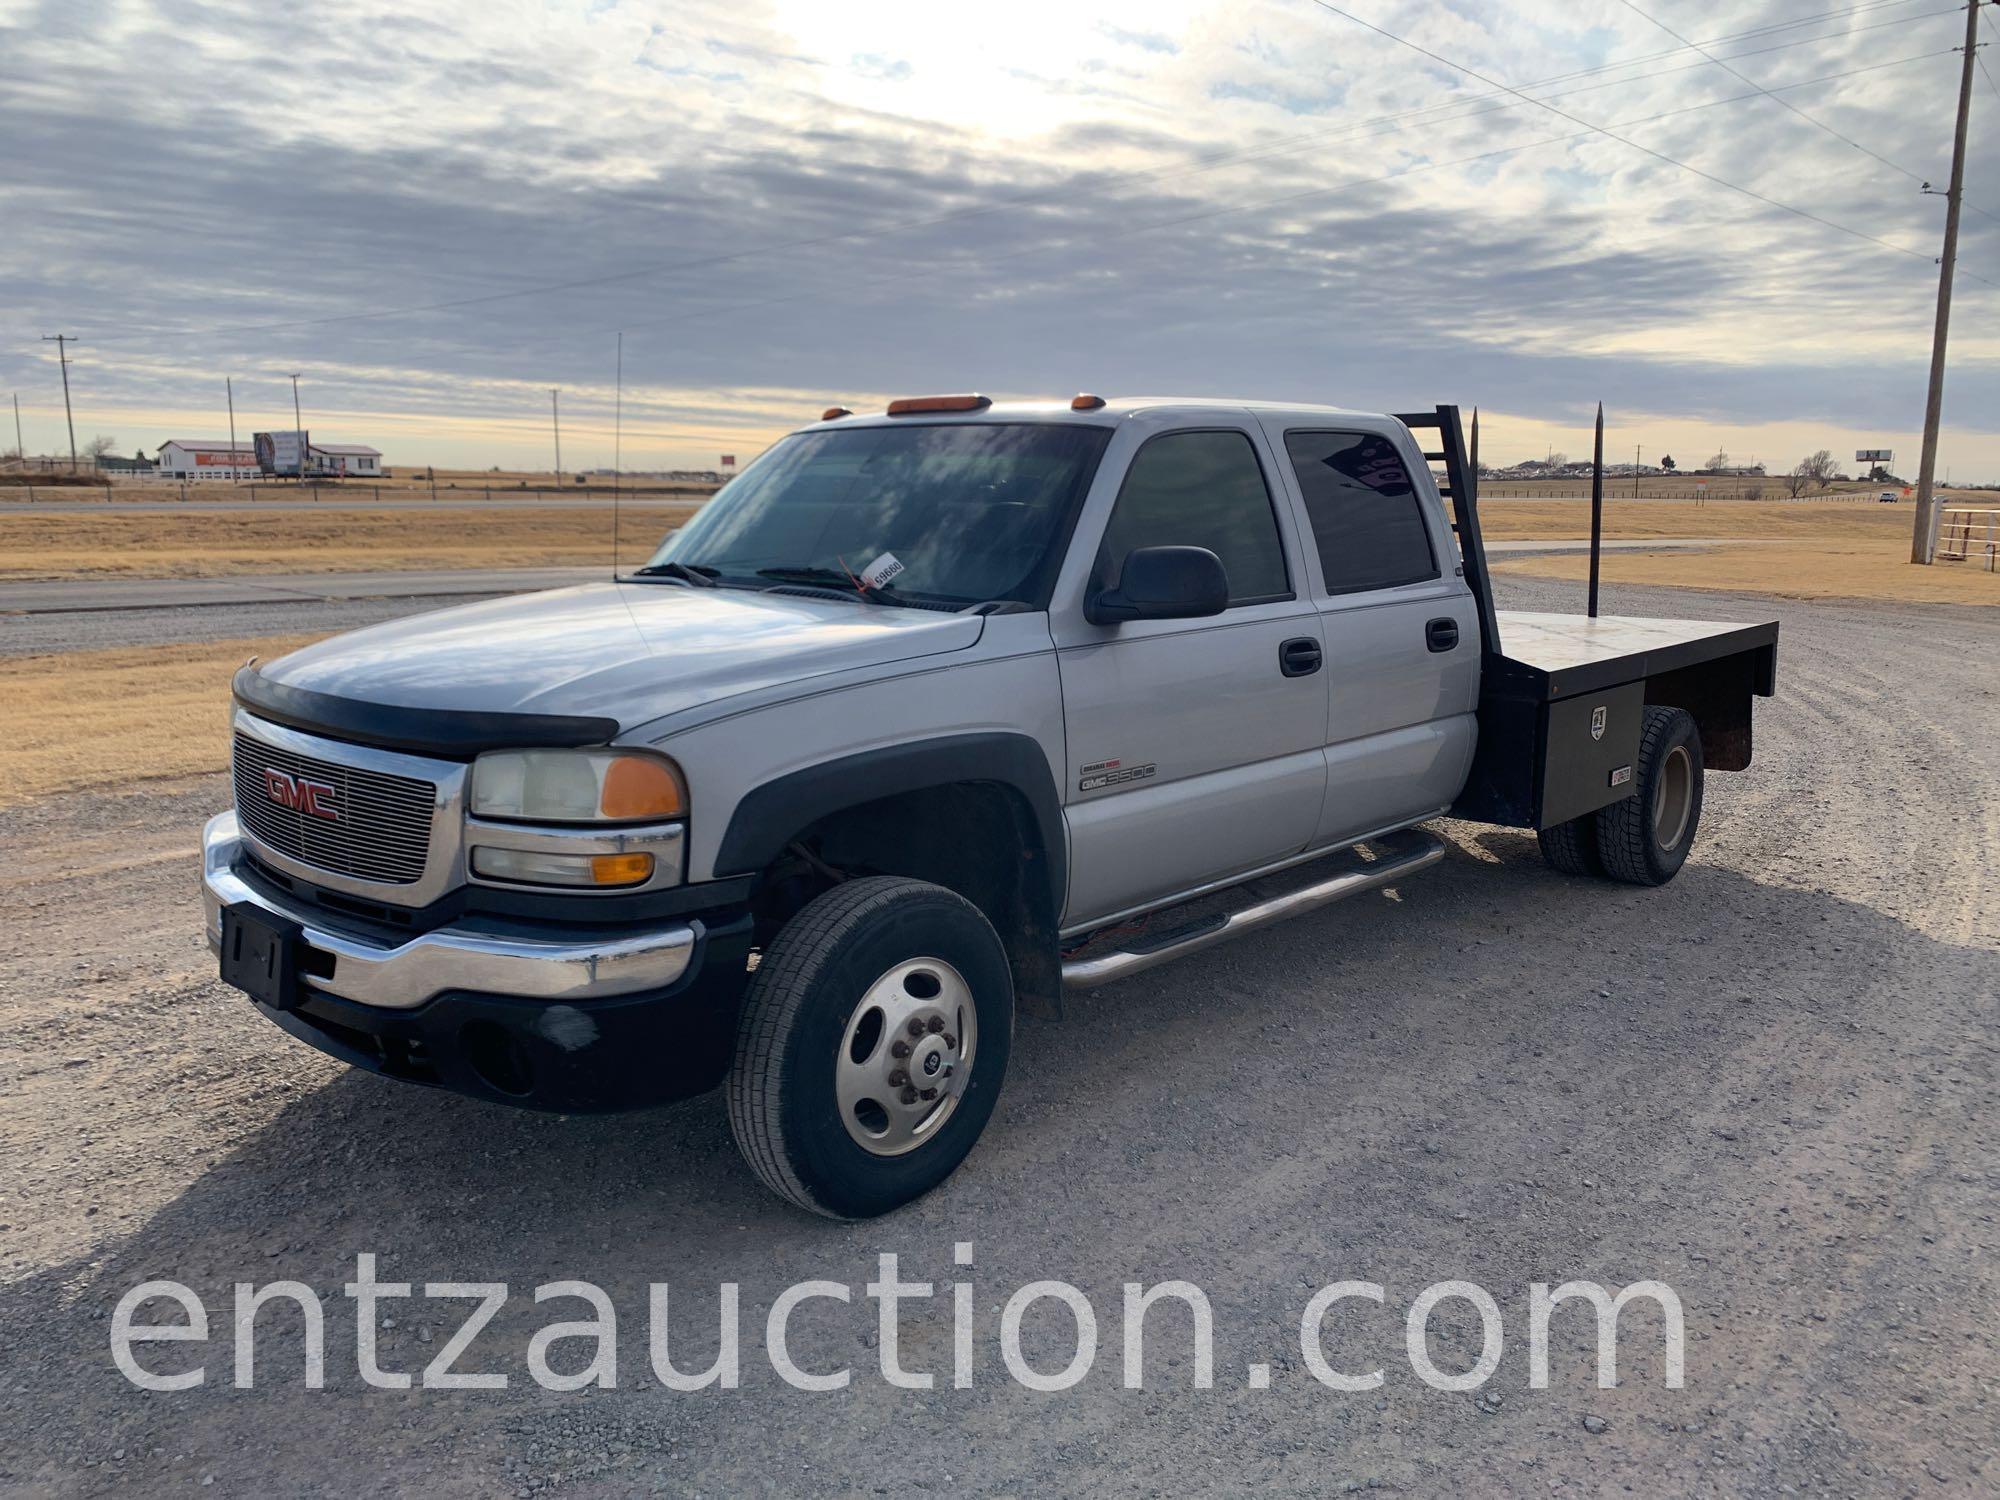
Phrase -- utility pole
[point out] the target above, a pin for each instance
(1635, 471)
(299, 423)
(62, 341)
(229, 386)
(1923, 544)
(555, 420)
(20, 444)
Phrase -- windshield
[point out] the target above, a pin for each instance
(973, 512)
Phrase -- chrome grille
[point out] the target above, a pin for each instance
(381, 830)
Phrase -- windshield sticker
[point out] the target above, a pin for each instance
(880, 571)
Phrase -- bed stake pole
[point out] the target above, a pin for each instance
(1596, 507)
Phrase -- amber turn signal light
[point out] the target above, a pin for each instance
(909, 406)
(620, 869)
(637, 786)
(833, 412)
(1084, 401)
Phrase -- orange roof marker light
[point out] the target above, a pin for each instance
(1084, 401)
(833, 412)
(910, 406)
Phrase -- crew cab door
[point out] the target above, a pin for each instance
(1400, 625)
(1196, 746)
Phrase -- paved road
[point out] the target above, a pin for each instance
(38, 596)
(89, 614)
(1771, 1085)
(64, 596)
(448, 501)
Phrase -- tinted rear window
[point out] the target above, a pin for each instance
(1367, 521)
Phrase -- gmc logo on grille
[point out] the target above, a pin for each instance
(314, 798)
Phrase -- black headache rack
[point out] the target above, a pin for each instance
(1461, 487)
(1562, 705)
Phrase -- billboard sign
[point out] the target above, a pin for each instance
(281, 452)
(1873, 455)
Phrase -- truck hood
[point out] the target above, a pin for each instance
(631, 652)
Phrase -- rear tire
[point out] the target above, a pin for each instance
(862, 969)
(1644, 839)
(1571, 848)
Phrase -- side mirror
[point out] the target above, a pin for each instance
(1163, 583)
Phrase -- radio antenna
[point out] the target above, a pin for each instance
(617, 448)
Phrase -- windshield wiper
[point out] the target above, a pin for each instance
(697, 574)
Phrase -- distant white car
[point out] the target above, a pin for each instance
(1887, 497)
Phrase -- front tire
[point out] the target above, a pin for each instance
(873, 1042)
(1644, 840)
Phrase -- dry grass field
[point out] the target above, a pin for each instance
(72, 717)
(1832, 569)
(1676, 487)
(95, 543)
(305, 538)
(1821, 549)
(100, 719)
(410, 484)
(1505, 519)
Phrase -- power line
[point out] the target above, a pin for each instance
(1660, 156)
(1987, 76)
(1812, 120)
(1059, 191)
(1741, 77)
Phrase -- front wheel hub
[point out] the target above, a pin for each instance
(906, 1057)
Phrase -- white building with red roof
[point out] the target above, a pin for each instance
(195, 458)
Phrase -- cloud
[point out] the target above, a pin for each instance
(436, 217)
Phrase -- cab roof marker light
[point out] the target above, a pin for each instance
(1084, 401)
(834, 413)
(909, 406)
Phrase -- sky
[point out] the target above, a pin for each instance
(435, 212)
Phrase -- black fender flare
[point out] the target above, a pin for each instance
(769, 816)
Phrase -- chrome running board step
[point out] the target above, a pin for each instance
(1393, 858)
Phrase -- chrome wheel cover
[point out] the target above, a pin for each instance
(906, 1056)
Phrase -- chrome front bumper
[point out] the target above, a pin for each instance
(405, 975)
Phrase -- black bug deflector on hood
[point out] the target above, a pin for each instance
(452, 734)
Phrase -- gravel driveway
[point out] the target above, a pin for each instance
(1770, 1085)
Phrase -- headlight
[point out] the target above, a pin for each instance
(577, 786)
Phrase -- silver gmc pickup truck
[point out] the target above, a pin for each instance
(926, 716)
